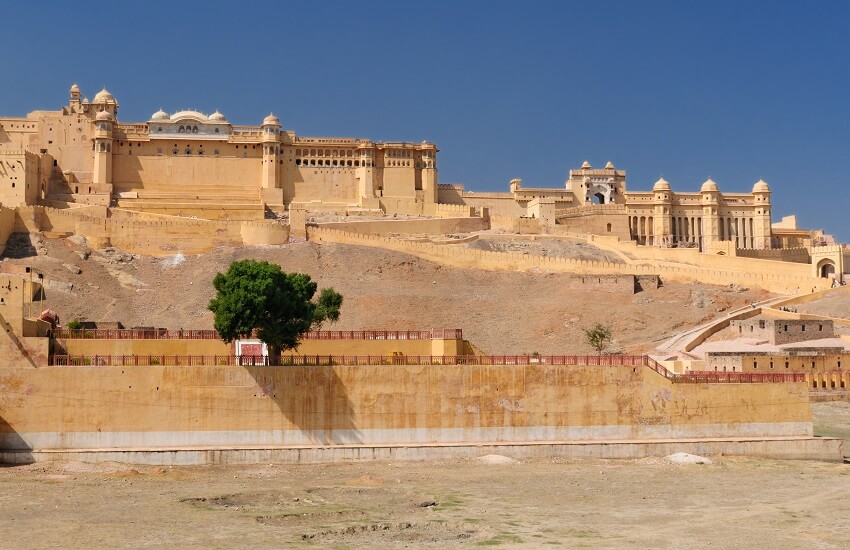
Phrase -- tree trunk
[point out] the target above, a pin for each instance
(274, 355)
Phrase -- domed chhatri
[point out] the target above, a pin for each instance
(586, 165)
(104, 116)
(708, 186)
(217, 117)
(160, 115)
(271, 120)
(75, 90)
(189, 114)
(609, 165)
(104, 96)
(661, 185)
(761, 186)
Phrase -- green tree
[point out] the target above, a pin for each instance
(599, 337)
(259, 297)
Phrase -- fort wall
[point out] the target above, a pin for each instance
(147, 234)
(798, 255)
(436, 226)
(105, 407)
(704, 268)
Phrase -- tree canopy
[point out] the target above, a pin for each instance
(599, 337)
(257, 296)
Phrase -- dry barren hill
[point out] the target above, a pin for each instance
(501, 312)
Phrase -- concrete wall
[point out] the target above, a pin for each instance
(103, 407)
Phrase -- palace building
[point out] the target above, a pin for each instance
(82, 153)
(191, 164)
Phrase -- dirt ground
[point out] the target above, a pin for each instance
(648, 503)
(500, 312)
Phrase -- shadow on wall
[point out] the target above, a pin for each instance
(10, 440)
(314, 400)
(20, 245)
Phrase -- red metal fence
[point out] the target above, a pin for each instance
(164, 334)
(376, 360)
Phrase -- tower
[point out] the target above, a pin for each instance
(662, 213)
(365, 173)
(429, 171)
(761, 217)
(76, 98)
(710, 214)
(271, 151)
(102, 171)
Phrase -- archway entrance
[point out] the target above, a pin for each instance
(827, 269)
(598, 198)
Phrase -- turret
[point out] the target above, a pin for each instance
(662, 200)
(105, 101)
(271, 151)
(76, 98)
(710, 213)
(429, 171)
(762, 234)
(102, 172)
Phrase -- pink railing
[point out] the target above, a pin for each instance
(163, 334)
(375, 360)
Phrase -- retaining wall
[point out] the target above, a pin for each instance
(103, 407)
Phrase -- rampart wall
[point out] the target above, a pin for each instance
(702, 267)
(149, 236)
(798, 255)
(434, 226)
(179, 406)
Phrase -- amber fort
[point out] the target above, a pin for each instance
(187, 182)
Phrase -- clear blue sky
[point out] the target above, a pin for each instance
(732, 90)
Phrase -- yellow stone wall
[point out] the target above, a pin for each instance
(105, 407)
(217, 347)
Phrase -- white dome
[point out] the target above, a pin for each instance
(105, 115)
(217, 117)
(160, 115)
(585, 165)
(708, 185)
(75, 89)
(661, 185)
(191, 115)
(271, 120)
(761, 186)
(104, 96)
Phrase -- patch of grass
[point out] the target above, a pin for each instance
(501, 538)
(449, 501)
(581, 534)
